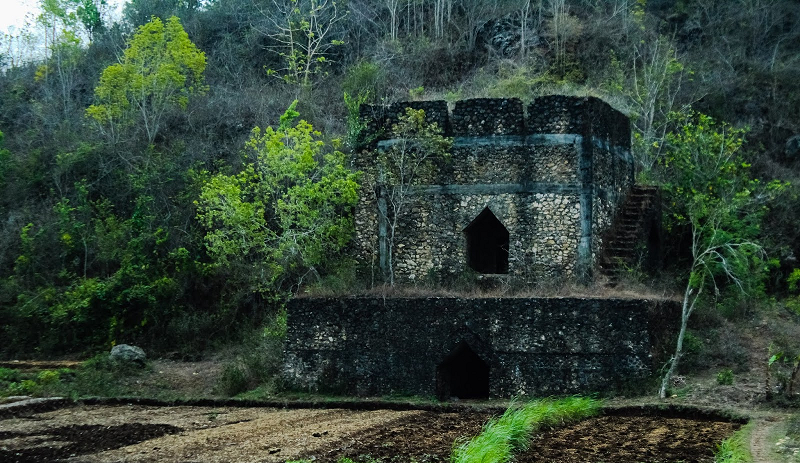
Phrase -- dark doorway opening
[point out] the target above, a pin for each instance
(462, 374)
(487, 244)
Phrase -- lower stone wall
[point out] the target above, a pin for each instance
(375, 346)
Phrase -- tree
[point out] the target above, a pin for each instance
(159, 71)
(288, 212)
(710, 191)
(89, 13)
(416, 146)
(304, 33)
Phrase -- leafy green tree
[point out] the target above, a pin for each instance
(287, 213)
(416, 146)
(88, 12)
(159, 71)
(710, 191)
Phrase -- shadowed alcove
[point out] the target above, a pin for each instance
(487, 244)
(462, 374)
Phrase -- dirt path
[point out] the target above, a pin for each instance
(760, 446)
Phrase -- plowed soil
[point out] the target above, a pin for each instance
(423, 437)
(137, 433)
(623, 439)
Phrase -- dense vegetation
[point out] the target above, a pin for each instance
(130, 172)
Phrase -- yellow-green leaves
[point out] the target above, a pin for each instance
(160, 70)
(286, 213)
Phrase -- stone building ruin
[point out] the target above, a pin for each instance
(532, 194)
(528, 192)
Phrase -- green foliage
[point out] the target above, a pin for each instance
(286, 214)
(5, 156)
(735, 449)
(694, 352)
(783, 367)
(355, 125)
(725, 377)
(512, 431)
(365, 78)
(9, 375)
(160, 70)
(256, 368)
(710, 192)
(793, 302)
(709, 188)
(89, 14)
(15, 382)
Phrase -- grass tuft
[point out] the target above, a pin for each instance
(510, 432)
(735, 449)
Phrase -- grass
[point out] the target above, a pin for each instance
(736, 448)
(502, 437)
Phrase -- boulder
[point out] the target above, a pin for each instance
(126, 354)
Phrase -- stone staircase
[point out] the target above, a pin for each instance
(622, 244)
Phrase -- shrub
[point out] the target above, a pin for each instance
(48, 377)
(9, 375)
(725, 377)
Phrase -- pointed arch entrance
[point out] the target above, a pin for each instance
(487, 244)
(462, 374)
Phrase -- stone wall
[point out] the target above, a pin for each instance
(372, 346)
(553, 178)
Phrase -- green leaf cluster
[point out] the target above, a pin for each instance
(418, 146)
(160, 69)
(709, 188)
(286, 212)
(111, 277)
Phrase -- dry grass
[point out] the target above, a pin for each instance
(497, 288)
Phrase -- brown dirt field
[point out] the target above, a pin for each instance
(136, 433)
(422, 436)
(623, 439)
(179, 434)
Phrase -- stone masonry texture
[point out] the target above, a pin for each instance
(532, 346)
(554, 173)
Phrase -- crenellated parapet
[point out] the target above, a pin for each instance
(481, 117)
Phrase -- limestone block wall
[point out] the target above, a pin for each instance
(553, 177)
(372, 346)
(544, 230)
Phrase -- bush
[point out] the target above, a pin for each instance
(725, 377)
(258, 363)
(9, 375)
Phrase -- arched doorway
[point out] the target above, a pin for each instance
(487, 244)
(462, 374)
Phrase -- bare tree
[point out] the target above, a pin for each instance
(411, 154)
(657, 78)
(306, 31)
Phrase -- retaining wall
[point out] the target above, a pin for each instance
(532, 346)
